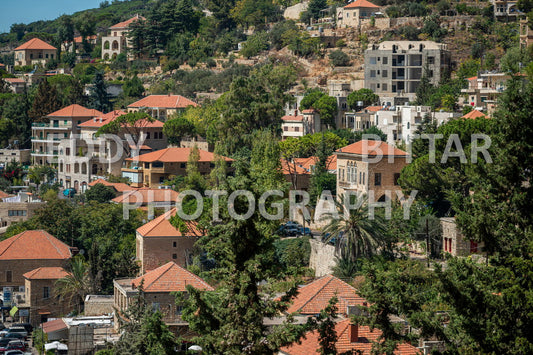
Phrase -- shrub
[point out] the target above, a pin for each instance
(339, 59)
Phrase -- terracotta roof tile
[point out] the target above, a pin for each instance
(360, 3)
(371, 148)
(79, 39)
(14, 80)
(290, 118)
(161, 227)
(125, 24)
(372, 109)
(33, 244)
(54, 325)
(75, 110)
(292, 168)
(474, 114)
(118, 186)
(164, 101)
(46, 273)
(307, 163)
(144, 196)
(175, 155)
(35, 43)
(170, 278)
(4, 194)
(310, 344)
(103, 119)
(314, 297)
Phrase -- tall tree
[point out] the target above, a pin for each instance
(86, 24)
(65, 32)
(98, 97)
(45, 102)
(77, 284)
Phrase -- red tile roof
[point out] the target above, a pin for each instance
(102, 119)
(472, 78)
(46, 273)
(170, 278)
(360, 3)
(474, 114)
(79, 39)
(14, 80)
(372, 109)
(118, 186)
(144, 196)
(75, 110)
(371, 148)
(175, 155)
(314, 297)
(4, 194)
(33, 244)
(310, 344)
(161, 227)
(164, 101)
(309, 110)
(35, 43)
(292, 168)
(293, 118)
(306, 163)
(127, 23)
(54, 325)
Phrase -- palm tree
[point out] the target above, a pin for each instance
(77, 284)
(354, 232)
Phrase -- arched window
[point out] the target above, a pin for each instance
(115, 45)
(106, 45)
(84, 168)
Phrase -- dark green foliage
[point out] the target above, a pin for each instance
(98, 97)
(278, 31)
(293, 253)
(313, 10)
(432, 28)
(177, 128)
(100, 193)
(133, 87)
(254, 12)
(255, 44)
(367, 96)
(45, 102)
(339, 59)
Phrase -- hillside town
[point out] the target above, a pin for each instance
(268, 177)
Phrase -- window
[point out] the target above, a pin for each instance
(372, 73)
(174, 256)
(157, 164)
(183, 165)
(155, 306)
(16, 213)
(174, 244)
(46, 292)
(384, 73)
(372, 60)
(296, 129)
(363, 179)
(473, 247)
(147, 165)
(148, 135)
(46, 55)
(384, 87)
(431, 60)
(377, 179)
(396, 177)
(179, 309)
(360, 177)
(385, 60)
(378, 86)
(9, 276)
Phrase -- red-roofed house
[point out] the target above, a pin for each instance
(371, 168)
(16, 84)
(28, 251)
(40, 298)
(154, 168)
(159, 286)
(161, 106)
(483, 90)
(117, 186)
(351, 339)
(472, 115)
(315, 296)
(35, 51)
(117, 42)
(352, 14)
(159, 242)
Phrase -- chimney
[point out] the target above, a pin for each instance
(295, 112)
(353, 333)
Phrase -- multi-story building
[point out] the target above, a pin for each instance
(161, 106)
(14, 209)
(28, 251)
(152, 169)
(393, 69)
(159, 242)
(505, 9)
(371, 168)
(46, 137)
(352, 14)
(40, 300)
(118, 42)
(34, 52)
(483, 90)
(21, 156)
(300, 125)
(526, 34)
(160, 286)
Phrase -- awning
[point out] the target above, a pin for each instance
(43, 312)
(55, 346)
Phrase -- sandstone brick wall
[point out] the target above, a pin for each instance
(322, 258)
(157, 251)
(20, 267)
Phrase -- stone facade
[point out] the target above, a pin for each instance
(43, 302)
(323, 258)
(97, 305)
(156, 251)
(11, 271)
(14, 212)
(18, 155)
(454, 242)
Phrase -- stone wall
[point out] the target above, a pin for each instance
(322, 258)
(97, 305)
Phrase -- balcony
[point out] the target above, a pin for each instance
(41, 125)
(45, 140)
(44, 154)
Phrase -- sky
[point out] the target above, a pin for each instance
(26, 11)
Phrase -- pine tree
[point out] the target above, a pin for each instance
(46, 101)
(99, 98)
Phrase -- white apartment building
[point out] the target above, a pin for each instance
(117, 42)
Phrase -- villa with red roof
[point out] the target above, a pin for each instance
(161, 106)
(352, 14)
(371, 168)
(118, 42)
(35, 51)
(28, 251)
(152, 169)
(159, 286)
(16, 84)
(159, 242)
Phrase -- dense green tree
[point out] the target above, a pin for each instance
(366, 96)
(98, 97)
(254, 12)
(133, 87)
(313, 10)
(131, 125)
(339, 59)
(221, 10)
(177, 128)
(86, 25)
(309, 144)
(45, 102)
(327, 108)
(76, 285)
(514, 60)
(255, 44)
(100, 193)
(321, 179)
(65, 31)
(69, 88)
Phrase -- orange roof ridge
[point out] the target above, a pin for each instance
(360, 3)
(474, 114)
(330, 277)
(34, 244)
(35, 43)
(168, 265)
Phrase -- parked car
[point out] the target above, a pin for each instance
(27, 326)
(2, 326)
(304, 231)
(12, 329)
(16, 345)
(14, 352)
(14, 336)
(3, 344)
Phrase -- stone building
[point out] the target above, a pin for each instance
(371, 168)
(28, 251)
(41, 299)
(117, 42)
(34, 52)
(352, 14)
(453, 241)
(159, 286)
(393, 69)
(159, 242)
(161, 106)
(14, 209)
